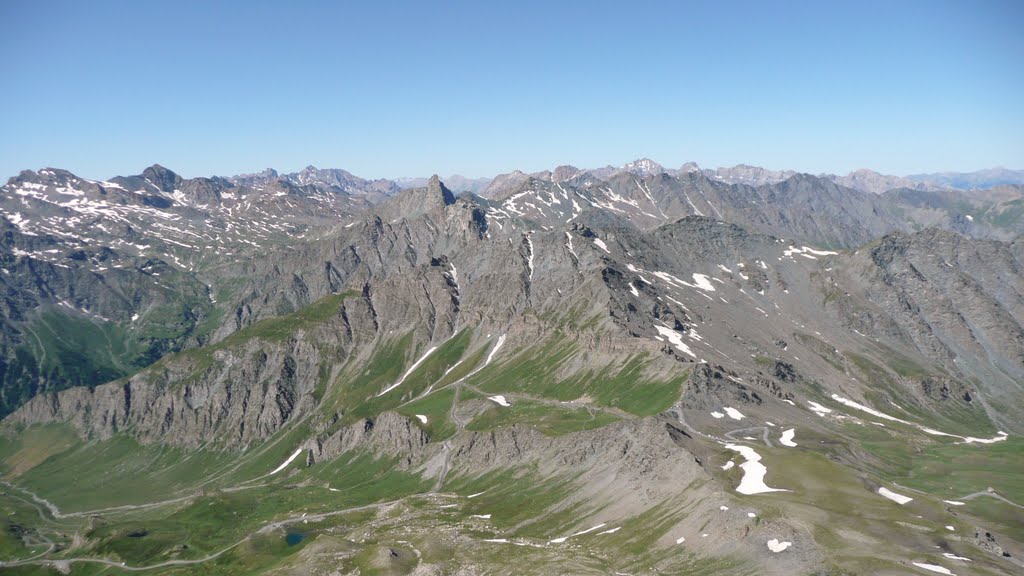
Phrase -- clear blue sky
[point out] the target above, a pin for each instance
(388, 89)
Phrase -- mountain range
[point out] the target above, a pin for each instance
(864, 180)
(626, 369)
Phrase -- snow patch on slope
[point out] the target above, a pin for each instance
(753, 472)
(288, 461)
(897, 498)
(787, 438)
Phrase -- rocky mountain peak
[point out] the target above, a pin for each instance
(162, 178)
(436, 188)
(44, 175)
(413, 202)
(643, 167)
(503, 183)
(565, 172)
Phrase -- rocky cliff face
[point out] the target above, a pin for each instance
(960, 301)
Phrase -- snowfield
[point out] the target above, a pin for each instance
(818, 408)
(497, 346)
(933, 568)
(897, 498)
(998, 438)
(775, 546)
(675, 339)
(753, 472)
(703, 282)
(787, 438)
(734, 413)
(499, 400)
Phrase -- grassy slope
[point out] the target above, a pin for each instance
(538, 370)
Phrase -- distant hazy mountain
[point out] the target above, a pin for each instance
(334, 178)
(864, 180)
(980, 179)
(875, 183)
(455, 182)
(752, 175)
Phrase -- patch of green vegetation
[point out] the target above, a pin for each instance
(871, 371)
(23, 533)
(31, 447)
(945, 469)
(271, 330)
(434, 366)
(521, 502)
(639, 534)
(117, 471)
(906, 367)
(953, 470)
(548, 419)
(265, 458)
(260, 554)
(436, 407)
(464, 368)
(1008, 214)
(628, 389)
(578, 317)
(1005, 519)
(362, 477)
(356, 393)
(831, 295)
(209, 323)
(762, 360)
(824, 350)
(216, 519)
(62, 350)
(534, 369)
(284, 327)
(203, 526)
(537, 371)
